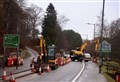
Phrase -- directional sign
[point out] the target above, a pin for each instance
(106, 47)
(11, 40)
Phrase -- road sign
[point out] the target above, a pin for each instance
(106, 47)
(11, 40)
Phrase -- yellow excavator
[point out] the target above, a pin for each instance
(47, 56)
(96, 44)
(78, 53)
(96, 41)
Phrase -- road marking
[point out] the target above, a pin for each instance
(80, 73)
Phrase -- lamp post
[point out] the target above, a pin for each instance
(95, 53)
(94, 28)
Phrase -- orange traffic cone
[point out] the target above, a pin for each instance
(40, 70)
(69, 59)
(48, 68)
(12, 79)
(4, 75)
(95, 60)
(33, 70)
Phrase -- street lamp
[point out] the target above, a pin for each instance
(94, 28)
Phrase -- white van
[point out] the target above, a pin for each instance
(87, 57)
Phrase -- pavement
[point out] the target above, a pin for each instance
(22, 70)
(17, 75)
(91, 74)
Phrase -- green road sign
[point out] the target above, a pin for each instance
(11, 40)
(106, 47)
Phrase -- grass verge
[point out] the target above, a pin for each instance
(107, 76)
(25, 54)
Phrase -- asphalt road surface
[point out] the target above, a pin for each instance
(64, 73)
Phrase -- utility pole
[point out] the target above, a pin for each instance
(101, 38)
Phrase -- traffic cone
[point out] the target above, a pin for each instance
(12, 79)
(69, 59)
(33, 70)
(40, 70)
(48, 68)
(95, 60)
(4, 75)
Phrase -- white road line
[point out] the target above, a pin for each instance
(80, 73)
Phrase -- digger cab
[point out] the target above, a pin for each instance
(51, 57)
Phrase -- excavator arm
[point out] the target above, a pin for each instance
(97, 44)
(96, 41)
(84, 45)
(42, 46)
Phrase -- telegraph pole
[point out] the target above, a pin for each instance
(101, 38)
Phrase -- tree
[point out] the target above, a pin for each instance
(11, 18)
(34, 18)
(15, 19)
(74, 39)
(61, 40)
(62, 20)
(106, 28)
(115, 39)
(49, 25)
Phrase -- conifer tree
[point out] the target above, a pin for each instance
(49, 25)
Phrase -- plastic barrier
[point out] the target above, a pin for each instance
(10, 61)
(117, 76)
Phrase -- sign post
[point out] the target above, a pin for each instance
(11, 41)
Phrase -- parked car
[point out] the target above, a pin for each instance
(87, 57)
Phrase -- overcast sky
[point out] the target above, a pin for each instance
(81, 12)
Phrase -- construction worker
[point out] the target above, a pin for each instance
(32, 62)
(39, 61)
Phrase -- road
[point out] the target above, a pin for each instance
(64, 73)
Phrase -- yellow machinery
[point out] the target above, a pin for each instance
(47, 56)
(96, 44)
(96, 41)
(79, 53)
(43, 53)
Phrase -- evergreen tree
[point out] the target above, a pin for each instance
(74, 39)
(49, 25)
